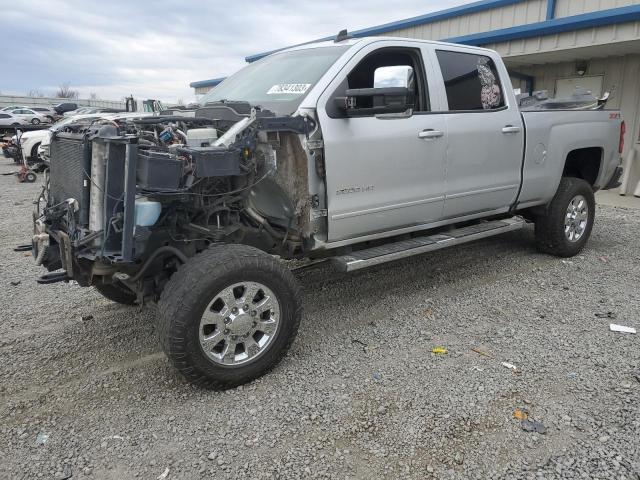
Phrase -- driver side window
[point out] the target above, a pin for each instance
(387, 79)
(388, 68)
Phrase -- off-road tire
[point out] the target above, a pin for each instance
(116, 292)
(192, 288)
(549, 228)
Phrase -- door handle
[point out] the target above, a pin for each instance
(430, 133)
(511, 129)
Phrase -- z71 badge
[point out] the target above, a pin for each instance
(344, 191)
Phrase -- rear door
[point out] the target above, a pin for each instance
(485, 133)
(383, 172)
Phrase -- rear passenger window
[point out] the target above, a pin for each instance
(471, 81)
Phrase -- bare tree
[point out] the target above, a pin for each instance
(65, 91)
(93, 96)
(180, 102)
(34, 92)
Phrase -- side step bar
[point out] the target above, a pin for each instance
(414, 246)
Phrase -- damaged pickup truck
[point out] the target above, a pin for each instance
(360, 151)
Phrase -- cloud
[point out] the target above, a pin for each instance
(155, 49)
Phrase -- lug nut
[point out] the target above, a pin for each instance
(246, 307)
(234, 310)
(227, 320)
(254, 324)
(253, 313)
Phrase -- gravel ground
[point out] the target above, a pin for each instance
(86, 392)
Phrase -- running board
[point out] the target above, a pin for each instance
(414, 246)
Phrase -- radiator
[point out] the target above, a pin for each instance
(69, 173)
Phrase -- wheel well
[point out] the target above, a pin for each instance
(583, 163)
(34, 150)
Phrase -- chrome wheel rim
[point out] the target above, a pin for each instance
(239, 324)
(576, 219)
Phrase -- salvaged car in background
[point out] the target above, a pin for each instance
(361, 151)
(27, 115)
(8, 119)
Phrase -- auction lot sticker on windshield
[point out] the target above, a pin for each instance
(291, 88)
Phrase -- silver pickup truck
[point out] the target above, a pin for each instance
(355, 151)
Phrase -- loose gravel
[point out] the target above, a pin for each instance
(86, 392)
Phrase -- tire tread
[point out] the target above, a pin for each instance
(181, 294)
(549, 233)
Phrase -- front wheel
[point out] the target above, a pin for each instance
(34, 152)
(228, 316)
(565, 228)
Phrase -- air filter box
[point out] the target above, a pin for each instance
(201, 137)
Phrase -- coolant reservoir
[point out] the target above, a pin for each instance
(201, 137)
(147, 212)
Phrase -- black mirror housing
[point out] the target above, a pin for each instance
(359, 102)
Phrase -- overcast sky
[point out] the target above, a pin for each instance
(154, 49)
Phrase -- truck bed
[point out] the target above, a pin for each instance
(551, 135)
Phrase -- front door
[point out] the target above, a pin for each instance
(384, 172)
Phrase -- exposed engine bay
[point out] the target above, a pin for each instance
(129, 200)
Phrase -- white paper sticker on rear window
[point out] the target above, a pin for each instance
(290, 88)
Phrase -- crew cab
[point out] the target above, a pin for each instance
(355, 151)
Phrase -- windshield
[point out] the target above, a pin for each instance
(278, 82)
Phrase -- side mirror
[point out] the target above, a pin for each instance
(392, 92)
(394, 76)
(374, 101)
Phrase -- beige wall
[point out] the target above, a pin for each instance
(530, 11)
(566, 8)
(588, 37)
(621, 76)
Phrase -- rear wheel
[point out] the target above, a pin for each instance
(117, 292)
(228, 316)
(35, 121)
(565, 228)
